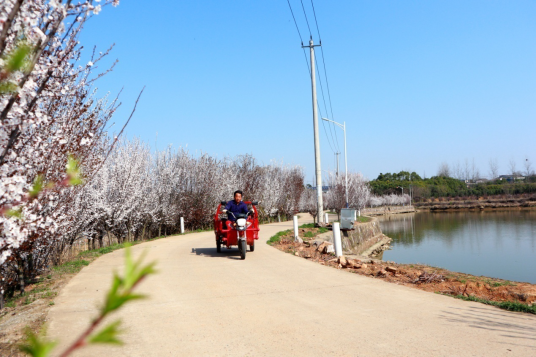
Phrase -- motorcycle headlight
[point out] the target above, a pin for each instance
(241, 222)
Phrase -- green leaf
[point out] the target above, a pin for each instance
(110, 303)
(73, 171)
(37, 187)
(16, 59)
(117, 301)
(36, 346)
(121, 291)
(15, 213)
(107, 334)
(8, 87)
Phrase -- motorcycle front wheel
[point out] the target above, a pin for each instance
(243, 249)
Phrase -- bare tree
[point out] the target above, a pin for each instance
(474, 171)
(493, 168)
(308, 202)
(512, 166)
(467, 170)
(458, 172)
(444, 170)
(528, 167)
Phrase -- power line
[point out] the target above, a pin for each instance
(299, 34)
(324, 64)
(295, 23)
(309, 71)
(324, 99)
(306, 20)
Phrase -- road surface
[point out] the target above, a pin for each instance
(274, 304)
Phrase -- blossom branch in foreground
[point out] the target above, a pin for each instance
(121, 292)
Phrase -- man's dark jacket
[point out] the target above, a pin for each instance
(231, 206)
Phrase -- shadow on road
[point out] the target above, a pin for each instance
(232, 253)
(509, 324)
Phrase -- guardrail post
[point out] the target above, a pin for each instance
(337, 239)
(295, 221)
(182, 225)
(327, 218)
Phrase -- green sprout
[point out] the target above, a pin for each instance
(17, 59)
(120, 293)
(8, 87)
(15, 213)
(37, 187)
(37, 345)
(74, 173)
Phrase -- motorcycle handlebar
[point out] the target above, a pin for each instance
(249, 212)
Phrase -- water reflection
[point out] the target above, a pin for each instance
(498, 244)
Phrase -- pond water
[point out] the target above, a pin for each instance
(499, 244)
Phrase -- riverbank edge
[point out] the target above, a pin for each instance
(477, 205)
(423, 277)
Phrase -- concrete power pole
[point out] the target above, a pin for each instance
(318, 171)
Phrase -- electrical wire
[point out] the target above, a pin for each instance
(295, 23)
(299, 34)
(317, 70)
(306, 19)
(325, 107)
(324, 64)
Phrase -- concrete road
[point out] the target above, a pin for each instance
(274, 304)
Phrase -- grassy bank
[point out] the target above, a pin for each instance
(505, 305)
(307, 230)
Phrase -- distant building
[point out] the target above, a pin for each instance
(475, 181)
(324, 188)
(511, 178)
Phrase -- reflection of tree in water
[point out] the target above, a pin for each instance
(414, 228)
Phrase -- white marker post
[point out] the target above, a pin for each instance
(182, 225)
(295, 219)
(327, 218)
(337, 239)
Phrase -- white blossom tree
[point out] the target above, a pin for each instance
(358, 192)
(50, 118)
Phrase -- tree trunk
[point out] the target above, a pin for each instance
(21, 279)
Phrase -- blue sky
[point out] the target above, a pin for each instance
(417, 82)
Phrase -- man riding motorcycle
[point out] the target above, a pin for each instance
(235, 206)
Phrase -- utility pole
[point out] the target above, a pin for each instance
(318, 171)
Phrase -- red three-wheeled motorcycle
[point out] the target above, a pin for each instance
(243, 231)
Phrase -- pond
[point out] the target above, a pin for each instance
(498, 244)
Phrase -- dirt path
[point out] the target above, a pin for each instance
(276, 304)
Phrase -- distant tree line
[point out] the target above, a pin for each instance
(445, 186)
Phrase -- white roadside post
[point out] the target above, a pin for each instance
(327, 218)
(337, 239)
(295, 221)
(182, 225)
